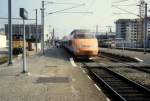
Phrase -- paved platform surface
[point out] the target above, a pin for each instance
(51, 78)
(133, 54)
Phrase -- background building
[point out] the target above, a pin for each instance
(130, 32)
(3, 42)
(30, 31)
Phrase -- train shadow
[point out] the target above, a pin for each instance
(82, 59)
(57, 52)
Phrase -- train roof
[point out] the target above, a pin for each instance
(79, 30)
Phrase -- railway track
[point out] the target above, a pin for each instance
(145, 69)
(128, 63)
(121, 88)
(117, 58)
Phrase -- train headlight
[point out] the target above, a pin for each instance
(94, 46)
(83, 46)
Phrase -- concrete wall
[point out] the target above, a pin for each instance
(3, 42)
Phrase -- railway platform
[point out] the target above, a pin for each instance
(50, 78)
(133, 54)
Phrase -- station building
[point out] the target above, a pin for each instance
(30, 32)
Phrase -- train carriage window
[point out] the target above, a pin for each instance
(69, 42)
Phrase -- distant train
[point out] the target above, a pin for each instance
(17, 44)
(107, 44)
(17, 47)
(81, 43)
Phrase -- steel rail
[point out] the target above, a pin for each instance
(126, 95)
(113, 58)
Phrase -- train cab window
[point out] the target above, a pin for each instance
(84, 36)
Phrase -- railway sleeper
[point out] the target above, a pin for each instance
(128, 91)
(133, 94)
(136, 98)
(113, 86)
(122, 84)
(125, 87)
(112, 80)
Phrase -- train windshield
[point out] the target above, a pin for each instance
(84, 36)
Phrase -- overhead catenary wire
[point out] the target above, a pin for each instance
(120, 13)
(128, 5)
(89, 5)
(124, 10)
(62, 3)
(3, 18)
(66, 9)
(78, 12)
(120, 1)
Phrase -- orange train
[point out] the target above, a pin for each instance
(81, 43)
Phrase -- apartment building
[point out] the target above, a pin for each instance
(131, 32)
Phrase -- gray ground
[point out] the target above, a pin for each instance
(64, 83)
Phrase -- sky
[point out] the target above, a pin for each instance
(103, 14)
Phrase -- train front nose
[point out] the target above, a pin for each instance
(87, 47)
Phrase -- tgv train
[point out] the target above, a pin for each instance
(81, 43)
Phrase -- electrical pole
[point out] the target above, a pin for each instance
(53, 36)
(142, 13)
(9, 33)
(97, 29)
(145, 29)
(36, 31)
(49, 43)
(110, 31)
(106, 35)
(58, 11)
(42, 22)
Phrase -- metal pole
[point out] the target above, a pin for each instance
(53, 37)
(145, 33)
(36, 31)
(97, 29)
(24, 49)
(42, 22)
(9, 33)
(123, 45)
(41, 31)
